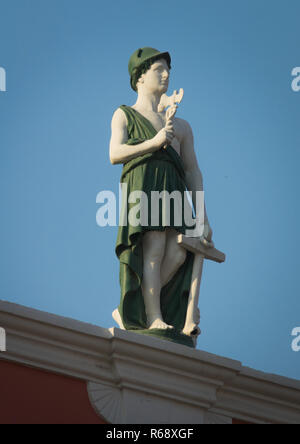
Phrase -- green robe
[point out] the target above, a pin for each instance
(158, 171)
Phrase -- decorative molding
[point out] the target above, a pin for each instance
(55, 343)
(107, 401)
(134, 378)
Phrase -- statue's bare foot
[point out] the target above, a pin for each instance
(159, 323)
(191, 329)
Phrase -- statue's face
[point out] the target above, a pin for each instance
(156, 79)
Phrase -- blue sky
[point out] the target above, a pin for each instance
(66, 64)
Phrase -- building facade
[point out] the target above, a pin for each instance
(57, 370)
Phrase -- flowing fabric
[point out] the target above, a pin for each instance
(159, 171)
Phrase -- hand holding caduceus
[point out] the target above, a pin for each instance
(172, 102)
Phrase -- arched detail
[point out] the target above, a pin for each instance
(107, 401)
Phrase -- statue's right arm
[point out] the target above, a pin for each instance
(120, 152)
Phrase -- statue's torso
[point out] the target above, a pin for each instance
(158, 121)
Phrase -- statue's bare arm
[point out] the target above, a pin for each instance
(120, 152)
(193, 175)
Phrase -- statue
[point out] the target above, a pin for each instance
(160, 269)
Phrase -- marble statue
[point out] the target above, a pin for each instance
(160, 268)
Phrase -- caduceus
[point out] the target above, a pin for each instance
(171, 103)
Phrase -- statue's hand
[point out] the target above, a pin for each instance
(163, 137)
(206, 237)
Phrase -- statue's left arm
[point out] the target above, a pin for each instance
(194, 178)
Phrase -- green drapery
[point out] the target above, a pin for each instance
(159, 171)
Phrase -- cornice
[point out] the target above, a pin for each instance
(131, 377)
(55, 343)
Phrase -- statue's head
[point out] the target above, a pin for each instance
(149, 65)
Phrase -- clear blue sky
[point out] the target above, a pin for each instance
(66, 64)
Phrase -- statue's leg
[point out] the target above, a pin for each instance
(153, 253)
(175, 256)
